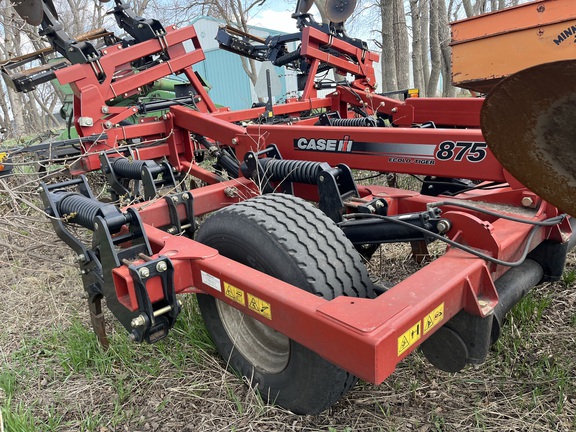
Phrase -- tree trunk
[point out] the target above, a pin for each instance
(389, 78)
(424, 53)
(435, 51)
(444, 38)
(401, 46)
(417, 67)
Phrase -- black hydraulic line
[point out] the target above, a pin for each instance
(376, 231)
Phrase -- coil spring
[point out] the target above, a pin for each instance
(81, 210)
(287, 58)
(354, 122)
(128, 168)
(292, 170)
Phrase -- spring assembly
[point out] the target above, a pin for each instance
(354, 122)
(83, 211)
(132, 169)
(291, 170)
(287, 58)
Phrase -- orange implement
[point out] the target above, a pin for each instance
(488, 48)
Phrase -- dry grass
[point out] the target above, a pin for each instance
(55, 377)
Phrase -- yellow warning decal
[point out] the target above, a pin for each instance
(259, 306)
(234, 293)
(433, 318)
(409, 338)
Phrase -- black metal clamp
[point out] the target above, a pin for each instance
(177, 226)
(153, 322)
(118, 238)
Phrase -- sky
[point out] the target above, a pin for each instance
(277, 15)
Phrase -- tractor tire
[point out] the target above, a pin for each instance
(285, 237)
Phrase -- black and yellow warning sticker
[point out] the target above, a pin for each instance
(433, 318)
(259, 306)
(234, 293)
(409, 338)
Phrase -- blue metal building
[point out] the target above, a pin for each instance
(223, 70)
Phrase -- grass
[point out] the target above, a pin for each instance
(73, 354)
(55, 377)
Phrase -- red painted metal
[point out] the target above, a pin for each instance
(368, 328)
(360, 335)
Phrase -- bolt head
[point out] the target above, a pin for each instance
(139, 321)
(161, 266)
(527, 202)
(443, 226)
(185, 196)
(144, 272)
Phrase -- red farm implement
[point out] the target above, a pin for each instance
(280, 281)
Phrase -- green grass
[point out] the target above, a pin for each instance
(17, 417)
(66, 353)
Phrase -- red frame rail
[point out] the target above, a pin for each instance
(372, 335)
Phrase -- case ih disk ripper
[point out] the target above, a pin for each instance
(280, 283)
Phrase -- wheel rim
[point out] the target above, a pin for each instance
(262, 346)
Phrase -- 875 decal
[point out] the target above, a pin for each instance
(461, 150)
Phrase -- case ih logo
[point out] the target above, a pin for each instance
(325, 145)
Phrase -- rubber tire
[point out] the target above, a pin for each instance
(290, 239)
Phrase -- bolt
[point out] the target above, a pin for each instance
(394, 110)
(379, 204)
(132, 337)
(143, 173)
(175, 199)
(527, 202)
(483, 303)
(39, 189)
(250, 156)
(172, 230)
(443, 226)
(125, 95)
(165, 117)
(105, 109)
(108, 125)
(104, 52)
(81, 258)
(371, 209)
(185, 196)
(96, 226)
(234, 141)
(139, 321)
(161, 266)
(321, 178)
(144, 272)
